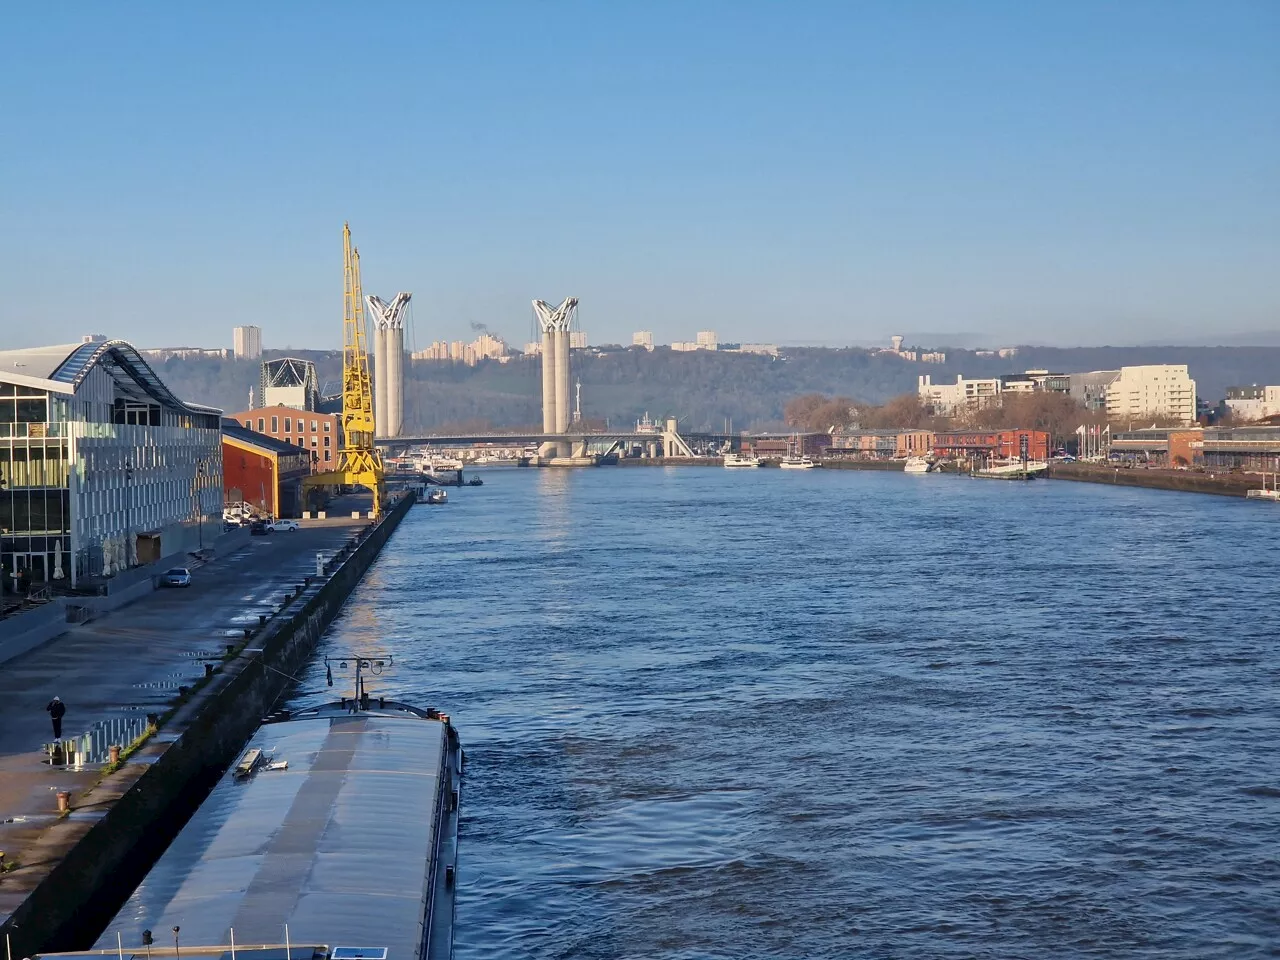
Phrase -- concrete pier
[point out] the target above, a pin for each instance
(210, 661)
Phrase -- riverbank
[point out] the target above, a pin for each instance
(232, 644)
(719, 462)
(1186, 481)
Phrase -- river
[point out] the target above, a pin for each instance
(758, 713)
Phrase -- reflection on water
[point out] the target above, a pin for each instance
(836, 714)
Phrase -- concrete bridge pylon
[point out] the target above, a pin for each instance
(555, 323)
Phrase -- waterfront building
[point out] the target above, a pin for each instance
(247, 342)
(996, 444)
(1153, 390)
(290, 382)
(811, 444)
(1161, 446)
(946, 399)
(263, 471)
(866, 444)
(642, 338)
(1254, 448)
(320, 434)
(914, 443)
(101, 466)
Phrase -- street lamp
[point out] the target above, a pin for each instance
(200, 474)
(128, 513)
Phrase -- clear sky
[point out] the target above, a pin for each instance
(1059, 172)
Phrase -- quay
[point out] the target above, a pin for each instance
(207, 663)
(1222, 483)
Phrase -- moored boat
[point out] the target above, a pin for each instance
(741, 460)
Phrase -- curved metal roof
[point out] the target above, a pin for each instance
(83, 358)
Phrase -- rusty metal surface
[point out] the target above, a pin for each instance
(338, 846)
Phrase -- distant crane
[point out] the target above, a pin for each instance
(359, 463)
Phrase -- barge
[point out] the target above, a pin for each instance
(334, 837)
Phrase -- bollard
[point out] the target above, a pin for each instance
(208, 669)
(262, 619)
(114, 752)
(64, 801)
(183, 691)
(248, 632)
(231, 647)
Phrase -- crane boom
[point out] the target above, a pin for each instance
(359, 463)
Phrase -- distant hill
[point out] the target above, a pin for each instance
(704, 389)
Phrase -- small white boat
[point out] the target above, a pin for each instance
(917, 465)
(740, 460)
(1272, 494)
(437, 496)
(797, 463)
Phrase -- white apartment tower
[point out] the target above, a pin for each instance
(247, 342)
(642, 338)
(707, 340)
(1153, 390)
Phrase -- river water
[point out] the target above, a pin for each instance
(758, 713)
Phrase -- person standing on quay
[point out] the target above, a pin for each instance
(56, 710)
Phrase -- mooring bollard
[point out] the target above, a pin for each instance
(64, 801)
(208, 669)
(114, 752)
(262, 619)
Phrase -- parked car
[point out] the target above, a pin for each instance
(280, 526)
(259, 529)
(176, 577)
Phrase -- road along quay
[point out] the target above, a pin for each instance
(206, 663)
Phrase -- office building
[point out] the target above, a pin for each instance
(101, 466)
(1153, 390)
(247, 342)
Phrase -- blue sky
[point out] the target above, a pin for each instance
(1082, 172)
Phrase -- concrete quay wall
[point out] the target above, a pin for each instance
(1187, 481)
(147, 805)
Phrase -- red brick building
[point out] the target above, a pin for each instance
(317, 433)
(1000, 444)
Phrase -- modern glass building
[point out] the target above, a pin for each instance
(101, 466)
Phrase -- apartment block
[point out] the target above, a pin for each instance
(1153, 390)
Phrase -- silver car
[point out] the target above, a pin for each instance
(176, 577)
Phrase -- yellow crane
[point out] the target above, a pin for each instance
(359, 463)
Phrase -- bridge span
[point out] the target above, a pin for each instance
(667, 443)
